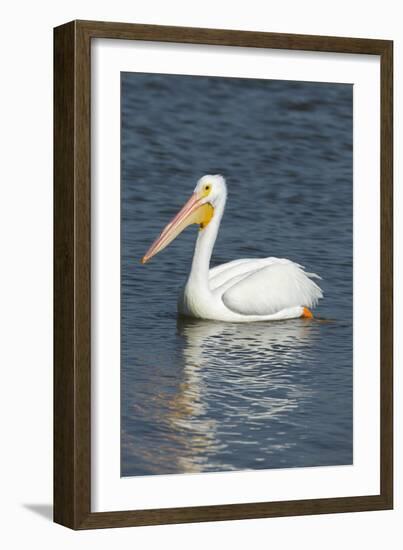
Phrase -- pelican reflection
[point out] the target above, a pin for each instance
(238, 382)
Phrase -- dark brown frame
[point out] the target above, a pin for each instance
(72, 292)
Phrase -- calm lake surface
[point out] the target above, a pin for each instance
(203, 396)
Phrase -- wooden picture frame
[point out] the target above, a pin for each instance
(72, 269)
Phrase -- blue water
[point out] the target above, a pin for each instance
(203, 396)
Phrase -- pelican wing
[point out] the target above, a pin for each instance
(236, 270)
(268, 289)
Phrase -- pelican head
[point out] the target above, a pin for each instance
(209, 194)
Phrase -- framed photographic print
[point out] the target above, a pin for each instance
(223, 275)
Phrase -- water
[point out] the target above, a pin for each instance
(203, 396)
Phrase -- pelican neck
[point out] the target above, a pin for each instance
(204, 246)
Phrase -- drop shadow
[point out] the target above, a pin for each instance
(44, 510)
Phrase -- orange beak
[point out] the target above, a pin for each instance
(194, 211)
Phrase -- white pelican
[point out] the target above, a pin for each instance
(265, 289)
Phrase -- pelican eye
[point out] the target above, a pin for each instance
(206, 190)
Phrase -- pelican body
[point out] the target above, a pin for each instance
(246, 290)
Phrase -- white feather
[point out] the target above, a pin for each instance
(278, 285)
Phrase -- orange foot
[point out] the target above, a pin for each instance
(306, 313)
